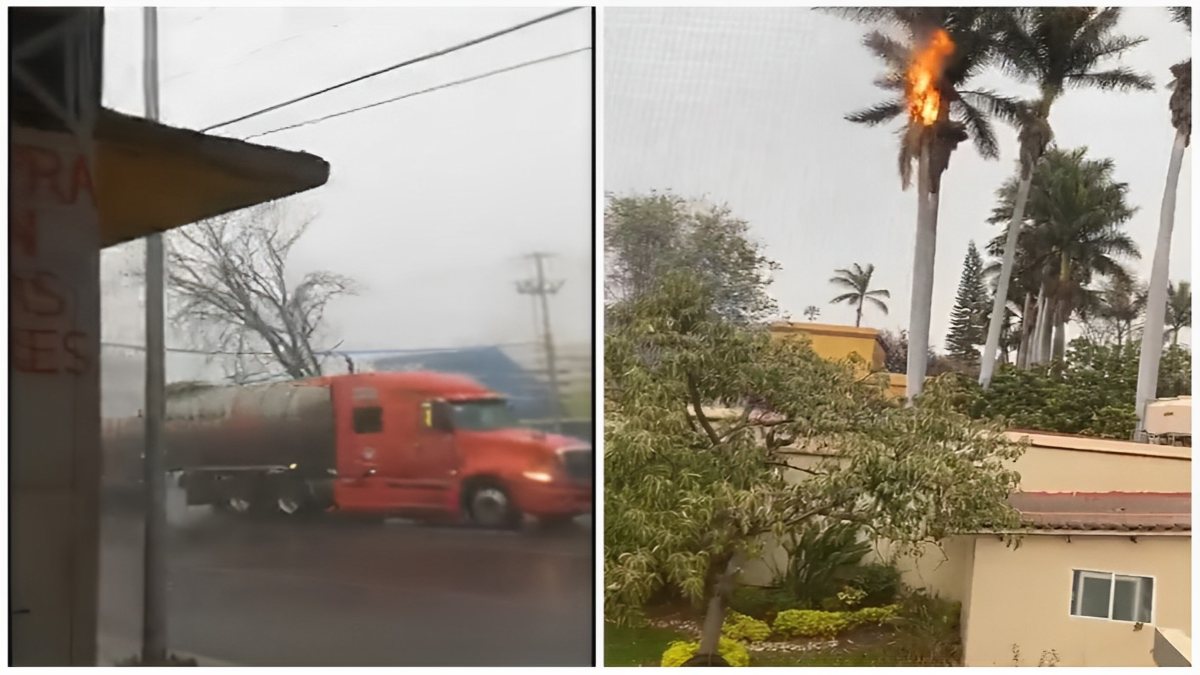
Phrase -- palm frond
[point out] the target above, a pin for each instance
(881, 305)
(1181, 15)
(881, 292)
(1119, 79)
(845, 297)
(893, 53)
(878, 113)
(979, 128)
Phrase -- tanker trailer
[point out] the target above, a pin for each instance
(237, 448)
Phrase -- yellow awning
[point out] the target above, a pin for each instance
(151, 177)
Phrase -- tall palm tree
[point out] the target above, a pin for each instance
(1073, 232)
(858, 282)
(1054, 48)
(1181, 118)
(1179, 308)
(961, 113)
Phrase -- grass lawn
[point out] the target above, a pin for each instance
(642, 646)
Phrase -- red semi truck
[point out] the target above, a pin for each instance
(416, 444)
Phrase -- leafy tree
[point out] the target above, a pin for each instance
(968, 320)
(857, 283)
(895, 350)
(1121, 303)
(1090, 393)
(1179, 308)
(1053, 48)
(812, 312)
(229, 280)
(646, 236)
(690, 493)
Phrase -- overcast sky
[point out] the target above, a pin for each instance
(746, 106)
(432, 201)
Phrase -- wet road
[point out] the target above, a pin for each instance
(339, 593)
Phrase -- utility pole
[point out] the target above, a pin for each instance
(154, 571)
(543, 289)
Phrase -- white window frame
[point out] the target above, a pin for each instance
(1112, 594)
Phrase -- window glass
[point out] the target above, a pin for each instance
(1104, 595)
(1093, 594)
(1124, 598)
(368, 420)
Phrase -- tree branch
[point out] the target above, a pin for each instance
(694, 394)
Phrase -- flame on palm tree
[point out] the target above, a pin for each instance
(924, 98)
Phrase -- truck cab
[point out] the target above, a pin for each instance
(436, 445)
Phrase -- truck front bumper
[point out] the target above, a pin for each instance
(553, 499)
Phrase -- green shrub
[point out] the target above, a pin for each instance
(762, 603)
(881, 583)
(927, 630)
(678, 653)
(820, 558)
(810, 623)
(874, 615)
(745, 628)
(1090, 392)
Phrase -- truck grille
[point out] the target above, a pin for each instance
(578, 463)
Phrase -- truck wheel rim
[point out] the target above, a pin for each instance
(489, 506)
(238, 504)
(288, 505)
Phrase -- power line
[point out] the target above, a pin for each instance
(210, 352)
(446, 85)
(402, 64)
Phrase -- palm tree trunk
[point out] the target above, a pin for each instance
(858, 314)
(1043, 330)
(1156, 300)
(988, 365)
(1048, 333)
(1061, 313)
(922, 288)
(1060, 331)
(1035, 340)
(1026, 324)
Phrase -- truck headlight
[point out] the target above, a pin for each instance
(539, 476)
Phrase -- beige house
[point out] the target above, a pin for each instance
(1102, 573)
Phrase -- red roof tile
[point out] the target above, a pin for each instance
(1091, 511)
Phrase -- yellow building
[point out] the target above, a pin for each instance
(837, 343)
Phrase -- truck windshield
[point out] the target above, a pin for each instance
(482, 415)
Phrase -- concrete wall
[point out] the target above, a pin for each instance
(1075, 464)
(1022, 597)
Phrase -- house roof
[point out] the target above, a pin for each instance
(1105, 511)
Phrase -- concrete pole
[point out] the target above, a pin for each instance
(154, 580)
(542, 289)
(551, 360)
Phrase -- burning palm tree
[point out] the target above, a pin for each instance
(946, 47)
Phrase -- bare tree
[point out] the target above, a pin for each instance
(229, 282)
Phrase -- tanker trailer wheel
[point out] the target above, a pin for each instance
(489, 505)
(292, 497)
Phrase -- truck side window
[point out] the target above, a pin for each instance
(368, 420)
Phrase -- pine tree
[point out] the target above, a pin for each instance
(968, 322)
